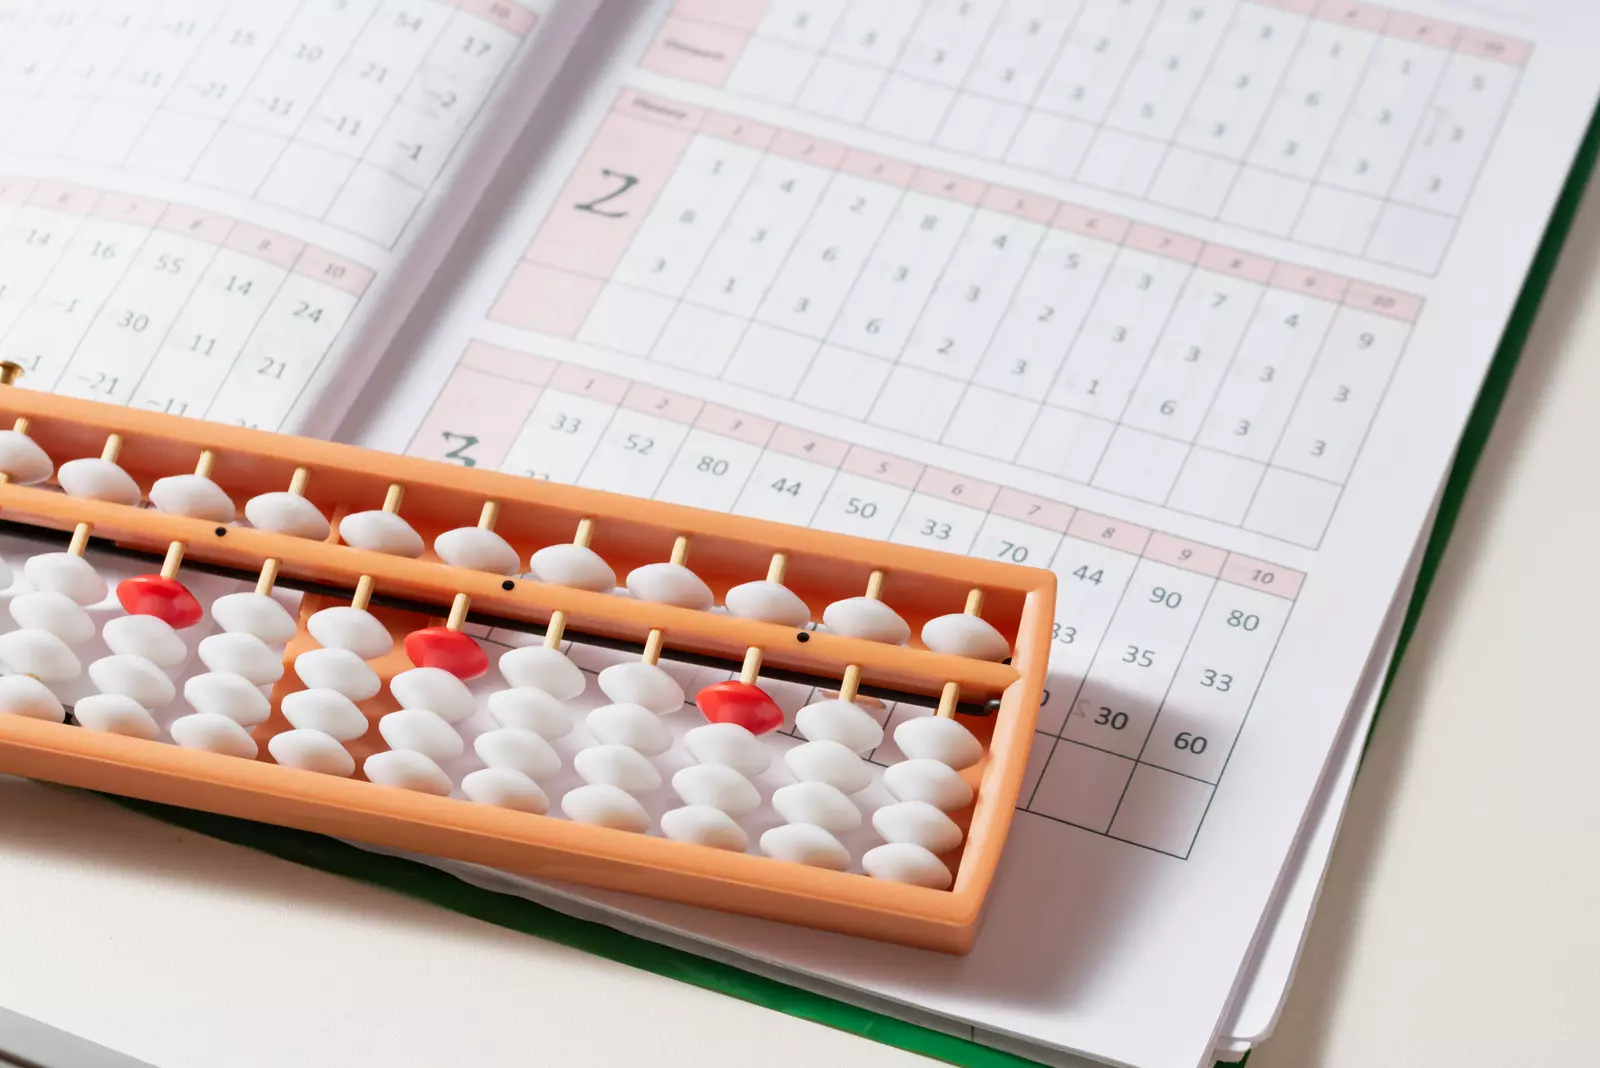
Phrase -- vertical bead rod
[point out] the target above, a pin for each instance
(269, 567)
(174, 559)
(558, 619)
(653, 640)
(852, 674)
(458, 607)
(391, 503)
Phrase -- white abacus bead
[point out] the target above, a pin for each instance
(148, 637)
(730, 744)
(254, 613)
(959, 634)
(24, 696)
(243, 654)
(436, 690)
(380, 532)
(543, 668)
(839, 721)
(505, 788)
(513, 747)
(906, 862)
(923, 779)
(717, 786)
(478, 549)
(818, 803)
(215, 734)
(668, 583)
(919, 823)
(98, 480)
(54, 612)
(638, 683)
(347, 627)
(531, 709)
(406, 769)
(228, 695)
(704, 825)
(115, 713)
(866, 618)
(66, 574)
(337, 669)
(805, 843)
(829, 762)
(634, 726)
(616, 765)
(938, 738)
(195, 496)
(603, 805)
(572, 565)
(311, 751)
(133, 676)
(39, 653)
(328, 711)
(22, 459)
(282, 512)
(770, 602)
(423, 731)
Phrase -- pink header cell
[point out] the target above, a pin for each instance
(1189, 555)
(508, 363)
(63, 196)
(513, 18)
(200, 225)
(1112, 532)
(1051, 515)
(878, 168)
(1355, 16)
(1269, 578)
(15, 190)
(655, 109)
(739, 131)
(120, 207)
(947, 186)
(1408, 27)
(882, 467)
(335, 271)
(1091, 223)
(1489, 46)
(728, 423)
(1319, 284)
(792, 441)
(957, 488)
(1237, 264)
(660, 403)
(1163, 243)
(1028, 206)
(582, 382)
(740, 14)
(1395, 305)
(807, 149)
(695, 51)
(265, 245)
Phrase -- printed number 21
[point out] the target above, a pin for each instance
(628, 182)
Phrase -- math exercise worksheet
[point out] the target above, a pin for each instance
(1185, 300)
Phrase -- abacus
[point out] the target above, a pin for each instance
(347, 688)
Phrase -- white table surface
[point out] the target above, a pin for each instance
(1459, 926)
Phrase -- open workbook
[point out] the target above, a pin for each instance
(1186, 300)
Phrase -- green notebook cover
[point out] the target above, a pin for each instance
(430, 884)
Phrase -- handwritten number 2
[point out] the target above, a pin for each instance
(460, 451)
(628, 182)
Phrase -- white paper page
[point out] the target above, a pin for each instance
(1225, 440)
(211, 207)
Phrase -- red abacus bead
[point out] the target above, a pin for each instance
(451, 650)
(740, 702)
(166, 599)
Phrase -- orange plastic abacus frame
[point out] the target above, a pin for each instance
(998, 701)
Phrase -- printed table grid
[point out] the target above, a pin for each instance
(346, 112)
(993, 320)
(1340, 126)
(1159, 642)
(132, 300)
